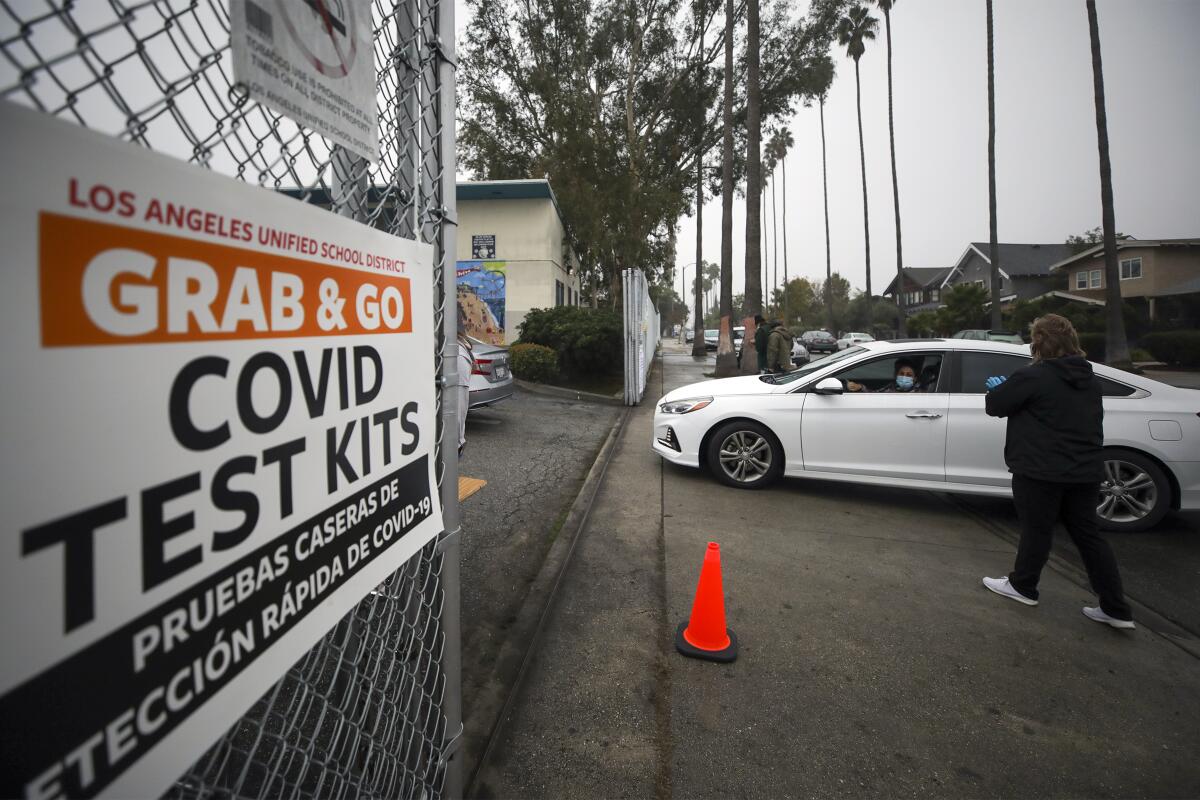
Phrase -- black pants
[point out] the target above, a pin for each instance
(1040, 504)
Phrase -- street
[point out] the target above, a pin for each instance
(872, 662)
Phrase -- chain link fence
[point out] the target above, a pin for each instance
(372, 710)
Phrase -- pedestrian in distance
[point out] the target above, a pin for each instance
(762, 333)
(462, 384)
(1053, 450)
(779, 348)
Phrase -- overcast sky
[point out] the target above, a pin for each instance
(1048, 182)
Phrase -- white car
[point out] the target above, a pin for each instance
(799, 352)
(750, 430)
(851, 339)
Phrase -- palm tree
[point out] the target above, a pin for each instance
(853, 32)
(1116, 345)
(698, 322)
(993, 246)
(726, 359)
(886, 7)
(825, 191)
(785, 142)
(754, 173)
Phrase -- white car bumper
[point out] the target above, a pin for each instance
(668, 443)
(1188, 475)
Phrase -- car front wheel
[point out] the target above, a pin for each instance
(745, 454)
(1134, 495)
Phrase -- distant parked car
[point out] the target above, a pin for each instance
(492, 380)
(689, 336)
(711, 335)
(819, 342)
(1010, 337)
(852, 339)
(710, 338)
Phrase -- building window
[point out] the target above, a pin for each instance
(1131, 268)
(558, 293)
(980, 284)
(1095, 275)
(935, 296)
(1081, 280)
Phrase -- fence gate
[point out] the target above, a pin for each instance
(373, 709)
(641, 333)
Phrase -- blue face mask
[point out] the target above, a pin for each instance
(904, 382)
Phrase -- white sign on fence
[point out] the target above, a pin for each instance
(217, 429)
(313, 61)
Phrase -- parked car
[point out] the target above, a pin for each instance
(711, 335)
(710, 338)
(689, 335)
(750, 430)
(799, 353)
(851, 339)
(1012, 337)
(491, 380)
(819, 342)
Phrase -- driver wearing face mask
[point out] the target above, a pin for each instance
(905, 380)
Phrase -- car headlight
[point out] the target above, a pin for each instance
(685, 406)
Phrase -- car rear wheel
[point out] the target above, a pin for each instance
(745, 454)
(1135, 493)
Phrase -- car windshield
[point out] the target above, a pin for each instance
(712, 332)
(809, 369)
(816, 334)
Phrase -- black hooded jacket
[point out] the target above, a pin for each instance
(1055, 420)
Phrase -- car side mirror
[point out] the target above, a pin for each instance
(828, 386)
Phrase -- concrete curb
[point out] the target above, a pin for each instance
(521, 644)
(568, 394)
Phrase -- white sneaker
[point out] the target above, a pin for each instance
(1098, 614)
(1002, 587)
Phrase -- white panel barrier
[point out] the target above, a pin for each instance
(641, 333)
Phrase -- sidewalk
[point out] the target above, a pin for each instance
(872, 662)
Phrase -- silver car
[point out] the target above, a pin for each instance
(492, 380)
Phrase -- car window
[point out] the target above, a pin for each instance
(808, 369)
(879, 373)
(1111, 388)
(978, 367)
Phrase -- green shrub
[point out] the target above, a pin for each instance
(587, 340)
(1093, 345)
(1181, 348)
(1138, 354)
(533, 362)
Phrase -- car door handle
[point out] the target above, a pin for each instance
(922, 415)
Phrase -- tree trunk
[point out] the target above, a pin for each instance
(698, 322)
(828, 255)
(775, 246)
(1116, 345)
(754, 184)
(993, 246)
(726, 358)
(900, 327)
(783, 165)
(862, 163)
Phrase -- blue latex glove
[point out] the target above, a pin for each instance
(995, 381)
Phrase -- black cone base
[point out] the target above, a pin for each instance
(691, 651)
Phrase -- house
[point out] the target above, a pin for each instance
(513, 255)
(1025, 269)
(922, 290)
(1164, 274)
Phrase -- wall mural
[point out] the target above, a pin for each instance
(481, 295)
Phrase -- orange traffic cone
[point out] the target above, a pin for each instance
(705, 635)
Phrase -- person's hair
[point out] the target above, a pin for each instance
(758, 319)
(901, 363)
(1054, 337)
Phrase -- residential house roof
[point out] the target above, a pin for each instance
(1016, 260)
(1123, 244)
(922, 276)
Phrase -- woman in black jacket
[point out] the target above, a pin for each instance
(1053, 450)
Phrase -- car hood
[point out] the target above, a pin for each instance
(721, 387)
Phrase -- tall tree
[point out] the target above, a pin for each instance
(754, 178)
(993, 245)
(698, 323)
(726, 358)
(785, 143)
(886, 7)
(853, 32)
(825, 193)
(1115, 343)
